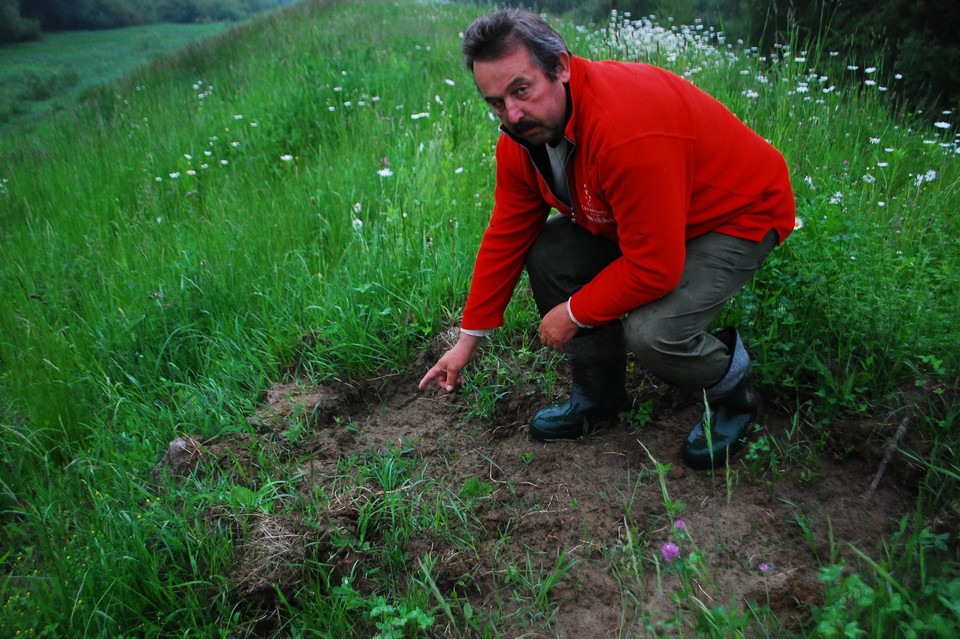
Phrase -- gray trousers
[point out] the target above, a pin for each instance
(668, 335)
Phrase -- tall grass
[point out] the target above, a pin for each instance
(310, 189)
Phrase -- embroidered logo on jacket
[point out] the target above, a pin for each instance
(593, 208)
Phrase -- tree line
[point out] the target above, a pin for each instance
(22, 20)
(914, 41)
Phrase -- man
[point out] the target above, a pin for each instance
(667, 206)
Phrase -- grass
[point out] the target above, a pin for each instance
(49, 74)
(291, 194)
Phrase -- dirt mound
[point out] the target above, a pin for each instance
(572, 530)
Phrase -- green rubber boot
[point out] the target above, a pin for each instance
(730, 413)
(599, 388)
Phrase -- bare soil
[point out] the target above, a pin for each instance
(601, 501)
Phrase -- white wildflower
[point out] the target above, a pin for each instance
(929, 176)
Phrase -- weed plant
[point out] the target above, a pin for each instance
(311, 187)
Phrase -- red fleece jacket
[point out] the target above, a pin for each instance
(657, 161)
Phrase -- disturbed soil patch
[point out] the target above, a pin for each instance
(600, 508)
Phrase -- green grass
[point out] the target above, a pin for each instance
(268, 199)
(36, 77)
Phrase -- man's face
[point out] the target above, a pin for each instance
(529, 104)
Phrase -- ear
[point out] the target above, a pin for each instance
(563, 67)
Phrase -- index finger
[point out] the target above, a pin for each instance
(432, 373)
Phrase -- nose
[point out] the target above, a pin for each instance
(512, 110)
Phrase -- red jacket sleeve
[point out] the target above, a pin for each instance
(518, 217)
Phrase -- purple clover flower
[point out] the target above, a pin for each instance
(670, 552)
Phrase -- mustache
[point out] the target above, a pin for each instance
(525, 125)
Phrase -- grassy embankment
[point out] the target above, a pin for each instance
(38, 77)
(168, 244)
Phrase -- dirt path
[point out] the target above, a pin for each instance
(591, 515)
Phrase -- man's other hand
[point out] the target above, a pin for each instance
(556, 328)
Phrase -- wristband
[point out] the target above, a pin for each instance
(574, 319)
(477, 332)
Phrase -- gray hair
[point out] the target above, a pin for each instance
(500, 32)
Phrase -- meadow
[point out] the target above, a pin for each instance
(298, 201)
(49, 75)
